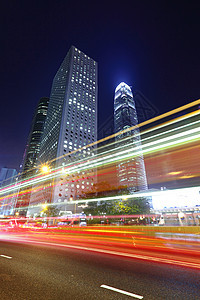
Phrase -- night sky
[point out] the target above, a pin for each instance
(154, 46)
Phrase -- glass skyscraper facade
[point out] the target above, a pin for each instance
(34, 139)
(71, 121)
(7, 177)
(131, 172)
(29, 163)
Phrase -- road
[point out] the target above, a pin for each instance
(51, 272)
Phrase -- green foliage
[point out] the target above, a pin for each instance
(119, 207)
(51, 211)
(115, 207)
(131, 207)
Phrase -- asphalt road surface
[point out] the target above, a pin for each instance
(48, 272)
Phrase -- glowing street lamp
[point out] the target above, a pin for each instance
(44, 206)
(45, 169)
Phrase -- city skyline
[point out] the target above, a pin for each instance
(99, 192)
(158, 56)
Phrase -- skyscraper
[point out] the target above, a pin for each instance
(145, 111)
(131, 172)
(33, 145)
(32, 149)
(7, 177)
(71, 121)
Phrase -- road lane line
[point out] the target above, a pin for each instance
(121, 291)
(5, 256)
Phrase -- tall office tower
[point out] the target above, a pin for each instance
(145, 111)
(131, 172)
(71, 121)
(32, 149)
(33, 146)
(7, 177)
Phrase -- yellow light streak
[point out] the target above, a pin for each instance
(175, 173)
(125, 152)
(185, 137)
(136, 195)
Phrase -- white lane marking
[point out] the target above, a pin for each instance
(121, 291)
(5, 256)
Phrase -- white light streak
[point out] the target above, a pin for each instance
(122, 153)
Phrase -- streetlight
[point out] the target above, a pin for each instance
(45, 169)
(44, 206)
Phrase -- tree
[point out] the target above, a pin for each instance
(115, 207)
(99, 207)
(51, 211)
(131, 206)
(119, 207)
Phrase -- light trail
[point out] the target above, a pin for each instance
(145, 123)
(158, 118)
(178, 262)
(133, 152)
(136, 195)
(110, 159)
(170, 113)
(129, 151)
(182, 118)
